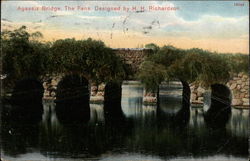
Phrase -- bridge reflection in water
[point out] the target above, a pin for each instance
(132, 129)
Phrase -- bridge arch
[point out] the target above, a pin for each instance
(219, 111)
(72, 87)
(178, 118)
(72, 99)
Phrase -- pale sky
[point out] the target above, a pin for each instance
(221, 26)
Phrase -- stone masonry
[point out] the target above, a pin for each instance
(239, 86)
(50, 86)
(97, 93)
(133, 56)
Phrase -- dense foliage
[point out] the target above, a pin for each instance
(152, 46)
(88, 57)
(24, 56)
(193, 65)
(237, 62)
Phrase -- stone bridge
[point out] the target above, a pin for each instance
(239, 84)
(132, 57)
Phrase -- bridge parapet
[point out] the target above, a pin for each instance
(133, 57)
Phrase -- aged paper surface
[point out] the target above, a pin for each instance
(124, 80)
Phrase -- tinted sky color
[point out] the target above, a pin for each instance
(221, 26)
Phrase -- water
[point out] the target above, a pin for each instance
(138, 132)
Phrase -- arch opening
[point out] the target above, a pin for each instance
(219, 111)
(174, 106)
(112, 103)
(72, 100)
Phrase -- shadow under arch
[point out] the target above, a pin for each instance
(112, 104)
(26, 101)
(116, 124)
(181, 118)
(220, 110)
(22, 117)
(72, 100)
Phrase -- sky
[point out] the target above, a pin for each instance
(220, 26)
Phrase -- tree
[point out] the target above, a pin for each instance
(194, 65)
(23, 56)
(89, 57)
(152, 46)
(201, 68)
(152, 74)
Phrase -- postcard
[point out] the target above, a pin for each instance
(124, 80)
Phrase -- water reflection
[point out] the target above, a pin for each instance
(219, 112)
(131, 129)
(25, 103)
(132, 100)
(112, 105)
(73, 112)
(20, 128)
(238, 123)
(18, 138)
(175, 117)
(72, 100)
(21, 117)
(96, 113)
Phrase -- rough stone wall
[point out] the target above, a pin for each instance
(197, 93)
(97, 93)
(149, 98)
(239, 86)
(133, 56)
(50, 86)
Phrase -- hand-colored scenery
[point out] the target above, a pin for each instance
(220, 26)
(124, 81)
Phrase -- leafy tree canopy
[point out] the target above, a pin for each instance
(152, 46)
(88, 57)
(193, 65)
(22, 54)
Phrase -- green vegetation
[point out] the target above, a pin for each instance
(237, 62)
(193, 65)
(152, 46)
(24, 56)
(89, 57)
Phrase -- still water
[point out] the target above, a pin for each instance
(136, 132)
